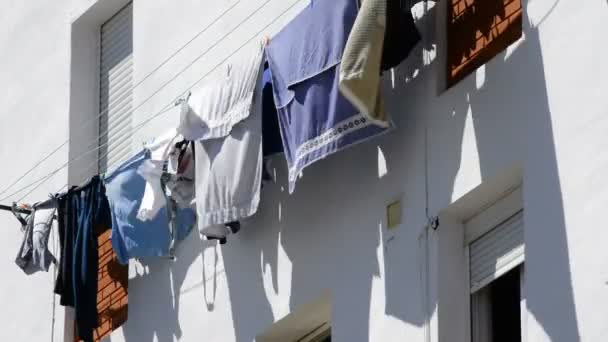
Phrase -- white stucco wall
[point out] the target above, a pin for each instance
(539, 107)
(34, 76)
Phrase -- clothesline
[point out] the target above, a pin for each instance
(88, 121)
(208, 170)
(42, 180)
(18, 209)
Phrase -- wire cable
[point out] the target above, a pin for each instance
(36, 187)
(44, 178)
(165, 109)
(92, 119)
(54, 305)
(217, 42)
(167, 83)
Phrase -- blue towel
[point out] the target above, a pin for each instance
(315, 119)
(131, 237)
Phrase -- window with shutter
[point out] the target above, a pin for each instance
(496, 252)
(478, 30)
(116, 89)
(115, 105)
(496, 273)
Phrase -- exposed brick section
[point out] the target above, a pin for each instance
(477, 31)
(112, 288)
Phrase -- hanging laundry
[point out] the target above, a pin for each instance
(315, 119)
(33, 254)
(401, 34)
(171, 165)
(383, 35)
(131, 236)
(67, 230)
(271, 134)
(360, 67)
(81, 212)
(224, 119)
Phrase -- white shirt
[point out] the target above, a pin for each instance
(163, 149)
(224, 117)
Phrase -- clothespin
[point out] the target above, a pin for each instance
(265, 41)
(183, 99)
(228, 69)
(25, 206)
(16, 211)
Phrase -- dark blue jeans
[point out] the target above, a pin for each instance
(85, 210)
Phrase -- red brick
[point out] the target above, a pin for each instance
(107, 291)
(103, 282)
(478, 33)
(105, 259)
(118, 293)
(112, 297)
(105, 248)
(104, 304)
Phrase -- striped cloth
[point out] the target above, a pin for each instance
(362, 60)
(316, 121)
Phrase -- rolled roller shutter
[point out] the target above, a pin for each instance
(116, 89)
(497, 252)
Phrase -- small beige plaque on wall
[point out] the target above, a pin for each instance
(393, 215)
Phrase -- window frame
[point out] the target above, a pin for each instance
(522, 305)
(496, 45)
(309, 322)
(485, 220)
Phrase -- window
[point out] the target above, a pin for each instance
(102, 72)
(116, 88)
(496, 277)
(470, 260)
(496, 309)
(477, 30)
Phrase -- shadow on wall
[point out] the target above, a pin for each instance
(329, 216)
(508, 105)
(548, 278)
(248, 256)
(308, 230)
(156, 295)
(329, 213)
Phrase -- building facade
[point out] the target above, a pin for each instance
(481, 212)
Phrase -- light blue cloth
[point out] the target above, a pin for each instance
(131, 237)
(315, 119)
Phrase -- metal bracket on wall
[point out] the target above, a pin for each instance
(434, 222)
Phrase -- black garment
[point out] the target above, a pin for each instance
(222, 240)
(271, 136)
(67, 236)
(82, 211)
(401, 34)
(234, 226)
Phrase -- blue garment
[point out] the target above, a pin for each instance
(315, 119)
(131, 237)
(84, 210)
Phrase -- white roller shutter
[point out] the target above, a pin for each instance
(116, 89)
(497, 252)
